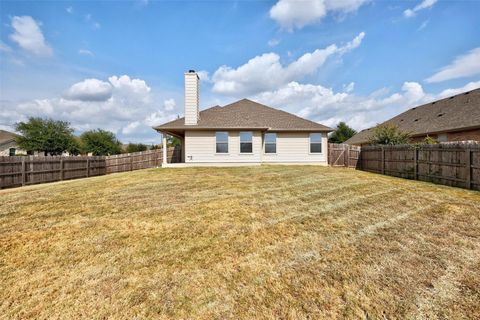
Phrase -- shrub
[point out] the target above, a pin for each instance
(388, 134)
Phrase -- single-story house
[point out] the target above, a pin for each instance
(243, 133)
(8, 146)
(456, 118)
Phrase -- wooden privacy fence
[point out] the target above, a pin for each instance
(26, 170)
(141, 160)
(455, 165)
(343, 155)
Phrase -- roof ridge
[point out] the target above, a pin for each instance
(280, 110)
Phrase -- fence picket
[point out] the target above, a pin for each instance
(26, 170)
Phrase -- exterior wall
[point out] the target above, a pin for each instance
(464, 135)
(5, 149)
(295, 147)
(200, 146)
(452, 136)
(192, 88)
(292, 147)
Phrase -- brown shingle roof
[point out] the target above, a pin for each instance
(6, 136)
(246, 114)
(456, 113)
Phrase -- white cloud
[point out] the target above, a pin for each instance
(69, 9)
(328, 107)
(131, 127)
(451, 92)
(85, 52)
(93, 23)
(423, 25)
(120, 104)
(349, 87)
(422, 5)
(273, 42)
(204, 76)
(291, 14)
(28, 35)
(89, 90)
(265, 72)
(169, 104)
(466, 65)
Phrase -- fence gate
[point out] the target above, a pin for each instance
(343, 155)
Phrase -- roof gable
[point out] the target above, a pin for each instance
(6, 136)
(454, 113)
(246, 114)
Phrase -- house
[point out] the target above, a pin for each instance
(456, 118)
(8, 146)
(243, 133)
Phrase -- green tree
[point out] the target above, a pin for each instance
(136, 147)
(100, 143)
(50, 136)
(172, 141)
(342, 133)
(429, 140)
(388, 134)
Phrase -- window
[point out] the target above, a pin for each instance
(246, 142)
(222, 142)
(11, 152)
(270, 143)
(315, 142)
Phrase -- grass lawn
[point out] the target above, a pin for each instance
(260, 242)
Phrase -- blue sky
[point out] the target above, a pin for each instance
(119, 65)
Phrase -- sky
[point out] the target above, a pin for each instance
(119, 65)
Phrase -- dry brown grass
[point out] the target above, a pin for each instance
(260, 242)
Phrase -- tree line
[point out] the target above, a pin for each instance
(54, 137)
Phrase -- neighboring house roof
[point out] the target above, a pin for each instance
(246, 114)
(456, 113)
(7, 137)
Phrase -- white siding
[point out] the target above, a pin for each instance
(192, 95)
(292, 147)
(200, 146)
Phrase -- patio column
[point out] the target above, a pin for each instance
(164, 149)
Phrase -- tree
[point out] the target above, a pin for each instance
(136, 147)
(429, 140)
(172, 141)
(100, 143)
(342, 133)
(47, 135)
(388, 134)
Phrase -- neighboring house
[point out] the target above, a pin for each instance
(456, 118)
(243, 132)
(8, 146)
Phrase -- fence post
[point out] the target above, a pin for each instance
(88, 167)
(383, 160)
(131, 162)
(61, 169)
(346, 155)
(415, 163)
(468, 165)
(23, 171)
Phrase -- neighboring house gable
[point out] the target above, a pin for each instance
(456, 118)
(8, 146)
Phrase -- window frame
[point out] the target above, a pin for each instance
(315, 143)
(12, 153)
(248, 142)
(270, 143)
(223, 142)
